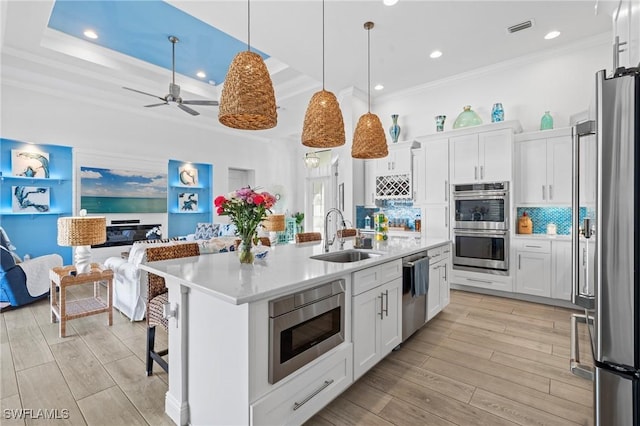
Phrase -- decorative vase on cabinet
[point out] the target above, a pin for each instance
(546, 123)
(467, 118)
(394, 130)
(497, 113)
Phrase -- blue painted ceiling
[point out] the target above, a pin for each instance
(141, 29)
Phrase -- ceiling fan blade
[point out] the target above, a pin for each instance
(155, 105)
(143, 93)
(187, 109)
(204, 103)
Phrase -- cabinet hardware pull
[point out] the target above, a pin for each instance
(446, 190)
(386, 309)
(393, 165)
(326, 383)
(519, 258)
(446, 217)
(577, 368)
(479, 281)
(414, 195)
(381, 306)
(584, 256)
(481, 172)
(372, 198)
(526, 245)
(551, 192)
(475, 173)
(543, 193)
(445, 272)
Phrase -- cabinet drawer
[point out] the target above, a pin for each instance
(306, 394)
(535, 246)
(493, 282)
(374, 276)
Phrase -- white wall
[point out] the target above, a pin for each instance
(561, 81)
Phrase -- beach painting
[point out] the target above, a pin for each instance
(188, 202)
(29, 164)
(122, 191)
(30, 199)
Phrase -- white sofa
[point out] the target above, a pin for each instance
(129, 281)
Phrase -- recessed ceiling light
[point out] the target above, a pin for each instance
(201, 74)
(435, 54)
(90, 34)
(389, 2)
(378, 87)
(551, 35)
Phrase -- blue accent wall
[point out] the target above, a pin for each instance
(541, 216)
(35, 233)
(182, 222)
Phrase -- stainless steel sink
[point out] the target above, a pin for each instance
(347, 256)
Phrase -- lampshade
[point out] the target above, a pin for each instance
(323, 123)
(274, 222)
(369, 140)
(82, 230)
(247, 100)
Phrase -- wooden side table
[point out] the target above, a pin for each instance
(63, 310)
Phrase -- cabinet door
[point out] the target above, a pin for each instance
(383, 165)
(494, 155)
(444, 284)
(533, 273)
(366, 334)
(561, 275)
(370, 183)
(391, 320)
(436, 221)
(400, 160)
(436, 155)
(418, 177)
(531, 171)
(463, 159)
(433, 295)
(559, 170)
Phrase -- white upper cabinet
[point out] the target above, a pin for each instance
(370, 183)
(436, 183)
(481, 157)
(397, 162)
(418, 171)
(543, 167)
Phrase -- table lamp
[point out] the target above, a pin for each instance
(274, 223)
(82, 232)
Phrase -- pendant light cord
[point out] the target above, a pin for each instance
(369, 69)
(249, 25)
(322, 44)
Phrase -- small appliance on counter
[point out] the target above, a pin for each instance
(525, 224)
(552, 229)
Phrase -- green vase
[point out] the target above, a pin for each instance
(467, 118)
(546, 123)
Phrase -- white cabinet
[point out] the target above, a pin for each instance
(370, 183)
(561, 270)
(436, 183)
(533, 267)
(418, 170)
(435, 221)
(376, 314)
(439, 268)
(397, 162)
(543, 167)
(481, 157)
(393, 179)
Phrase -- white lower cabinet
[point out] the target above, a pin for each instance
(533, 267)
(376, 319)
(439, 269)
(561, 270)
(298, 400)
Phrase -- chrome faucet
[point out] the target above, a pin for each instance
(328, 243)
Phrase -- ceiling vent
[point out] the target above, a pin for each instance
(519, 27)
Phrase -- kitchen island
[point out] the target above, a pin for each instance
(219, 330)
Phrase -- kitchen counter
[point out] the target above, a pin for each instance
(284, 270)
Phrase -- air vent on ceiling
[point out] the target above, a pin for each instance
(519, 27)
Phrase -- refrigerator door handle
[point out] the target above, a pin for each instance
(586, 300)
(577, 368)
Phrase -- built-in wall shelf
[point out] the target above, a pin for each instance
(50, 173)
(189, 196)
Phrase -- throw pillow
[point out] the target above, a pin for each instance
(206, 231)
(227, 230)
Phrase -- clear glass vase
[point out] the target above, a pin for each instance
(244, 251)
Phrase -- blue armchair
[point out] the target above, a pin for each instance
(24, 282)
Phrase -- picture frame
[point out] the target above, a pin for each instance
(188, 202)
(30, 199)
(31, 164)
(188, 175)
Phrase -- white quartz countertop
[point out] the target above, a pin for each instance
(286, 269)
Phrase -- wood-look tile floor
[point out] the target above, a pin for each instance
(484, 360)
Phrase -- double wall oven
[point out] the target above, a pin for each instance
(481, 230)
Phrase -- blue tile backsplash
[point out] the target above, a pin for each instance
(541, 216)
(399, 212)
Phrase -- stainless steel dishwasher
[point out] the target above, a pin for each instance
(414, 308)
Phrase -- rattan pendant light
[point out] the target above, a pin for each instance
(247, 100)
(323, 123)
(369, 140)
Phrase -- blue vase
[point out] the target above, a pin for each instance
(497, 113)
(394, 130)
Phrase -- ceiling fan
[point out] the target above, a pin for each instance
(174, 89)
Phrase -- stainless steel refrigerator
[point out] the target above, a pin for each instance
(606, 228)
